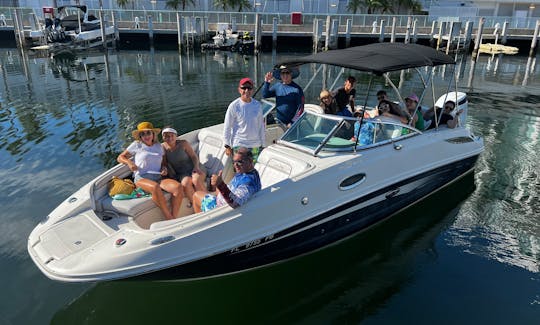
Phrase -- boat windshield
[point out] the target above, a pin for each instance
(315, 132)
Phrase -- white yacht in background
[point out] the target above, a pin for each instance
(72, 29)
(318, 187)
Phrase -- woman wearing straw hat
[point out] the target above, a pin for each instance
(148, 168)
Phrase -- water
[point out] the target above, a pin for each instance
(470, 254)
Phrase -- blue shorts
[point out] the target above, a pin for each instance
(153, 177)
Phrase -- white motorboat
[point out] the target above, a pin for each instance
(319, 187)
(72, 29)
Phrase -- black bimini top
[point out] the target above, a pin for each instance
(378, 58)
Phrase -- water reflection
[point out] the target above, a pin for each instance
(340, 284)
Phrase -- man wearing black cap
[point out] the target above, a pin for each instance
(289, 96)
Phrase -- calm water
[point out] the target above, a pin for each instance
(469, 254)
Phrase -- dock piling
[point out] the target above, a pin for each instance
(327, 30)
(334, 34)
(408, 32)
(317, 32)
(393, 33)
(414, 35)
(381, 34)
(468, 33)
(179, 30)
(532, 52)
(257, 33)
(348, 33)
(478, 39)
(450, 38)
(150, 31)
(274, 32)
(503, 33)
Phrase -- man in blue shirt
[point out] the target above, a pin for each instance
(289, 96)
(244, 184)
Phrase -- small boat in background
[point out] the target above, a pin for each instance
(489, 48)
(72, 29)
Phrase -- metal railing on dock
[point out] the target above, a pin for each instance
(194, 26)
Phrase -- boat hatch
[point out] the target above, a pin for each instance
(68, 237)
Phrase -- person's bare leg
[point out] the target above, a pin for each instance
(175, 188)
(189, 190)
(157, 196)
(199, 181)
(197, 200)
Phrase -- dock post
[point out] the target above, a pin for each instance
(274, 32)
(116, 31)
(234, 27)
(432, 33)
(334, 33)
(327, 29)
(532, 52)
(179, 30)
(478, 39)
(503, 33)
(414, 36)
(348, 33)
(102, 27)
(257, 33)
(381, 34)
(450, 41)
(198, 30)
(408, 32)
(316, 34)
(439, 35)
(468, 33)
(393, 33)
(150, 31)
(16, 29)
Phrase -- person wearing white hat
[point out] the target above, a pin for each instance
(144, 157)
(183, 163)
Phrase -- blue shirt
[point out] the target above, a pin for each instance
(242, 187)
(366, 132)
(289, 99)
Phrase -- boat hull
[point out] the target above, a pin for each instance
(321, 230)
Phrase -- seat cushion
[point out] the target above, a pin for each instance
(132, 207)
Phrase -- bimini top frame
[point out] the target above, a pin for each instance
(378, 58)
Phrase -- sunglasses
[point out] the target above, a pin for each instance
(285, 72)
(143, 133)
(238, 162)
(448, 107)
(246, 88)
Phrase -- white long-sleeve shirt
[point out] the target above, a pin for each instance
(244, 124)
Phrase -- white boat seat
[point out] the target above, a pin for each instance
(274, 167)
(133, 207)
(313, 108)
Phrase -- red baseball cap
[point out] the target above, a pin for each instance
(245, 81)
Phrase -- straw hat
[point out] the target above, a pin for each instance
(144, 126)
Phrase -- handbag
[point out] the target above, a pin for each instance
(120, 186)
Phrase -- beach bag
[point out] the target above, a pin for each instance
(120, 186)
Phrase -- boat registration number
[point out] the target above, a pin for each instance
(252, 244)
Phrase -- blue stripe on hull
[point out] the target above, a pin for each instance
(301, 238)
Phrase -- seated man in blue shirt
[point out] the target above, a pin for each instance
(289, 96)
(244, 184)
